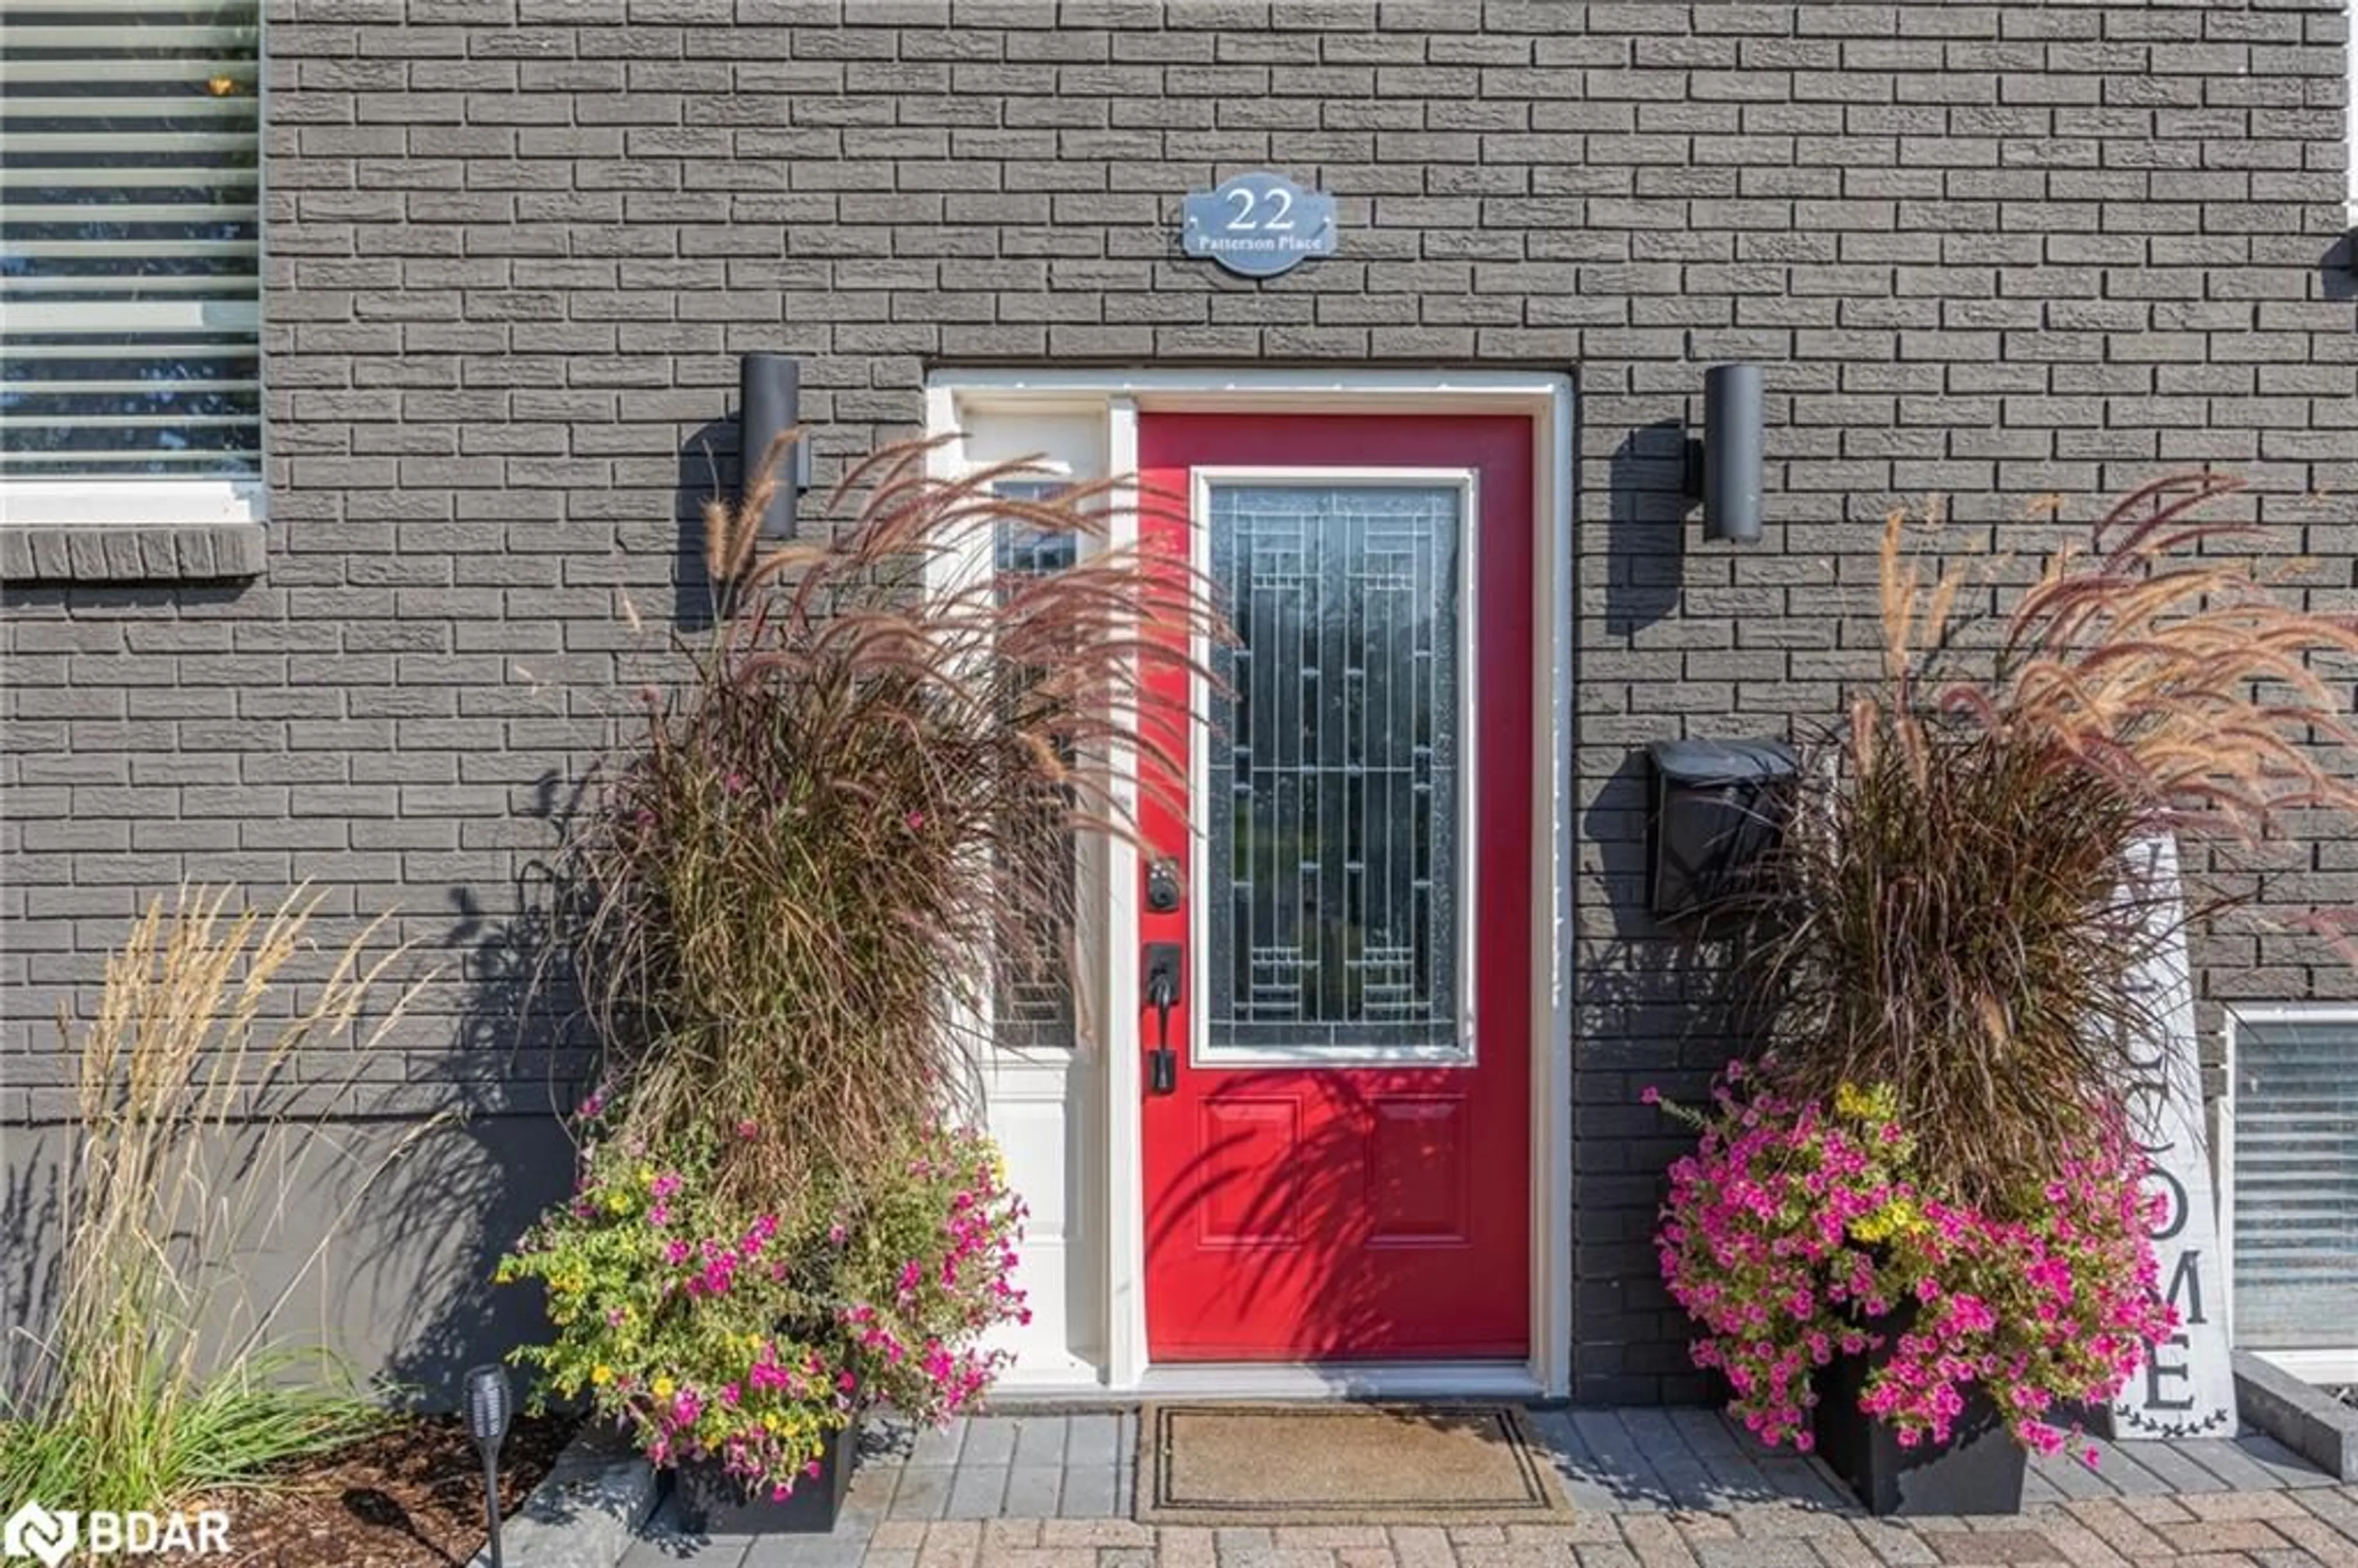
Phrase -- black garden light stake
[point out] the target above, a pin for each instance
(489, 1410)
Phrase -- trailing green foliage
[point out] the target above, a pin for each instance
(708, 1326)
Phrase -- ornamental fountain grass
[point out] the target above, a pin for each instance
(1914, 1224)
(794, 890)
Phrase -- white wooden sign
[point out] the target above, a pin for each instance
(2186, 1387)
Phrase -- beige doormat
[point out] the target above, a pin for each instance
(1342, 1463)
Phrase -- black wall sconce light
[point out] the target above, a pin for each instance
(1724, 464)
(769, 403)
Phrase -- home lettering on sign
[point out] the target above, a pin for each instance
(2187, 1386)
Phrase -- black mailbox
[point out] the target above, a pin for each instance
(1717, 807)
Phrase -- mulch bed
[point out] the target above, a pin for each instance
(410, 1496)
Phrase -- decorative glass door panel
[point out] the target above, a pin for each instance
(1034, 1009)
(1337, 1158)
(1335, 783)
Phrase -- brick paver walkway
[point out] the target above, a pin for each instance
(1649, 1489)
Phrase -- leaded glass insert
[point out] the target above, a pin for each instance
(1335, 764)
(1019, 548)
(1033, 1007)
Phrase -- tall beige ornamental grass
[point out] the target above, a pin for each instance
(160, 1377)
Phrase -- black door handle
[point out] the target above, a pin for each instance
(1160, 987)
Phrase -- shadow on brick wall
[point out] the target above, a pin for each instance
(708, 466)
(522, 1059)
(1614, 827)
(1655, 1008)
(2340, 268)
(1646, 528)
(32, 1220)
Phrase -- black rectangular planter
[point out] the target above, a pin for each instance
(713, 1502)
(1978, 1471)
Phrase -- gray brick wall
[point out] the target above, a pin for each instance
(1988, 253)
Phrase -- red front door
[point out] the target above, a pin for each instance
(1339, 1167)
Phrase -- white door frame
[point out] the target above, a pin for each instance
(952, 396)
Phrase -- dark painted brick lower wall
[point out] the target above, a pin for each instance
(1988, 253)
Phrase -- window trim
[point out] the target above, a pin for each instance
(97, 503)
(1465, 484)
(2327, 1364)
(227, 503)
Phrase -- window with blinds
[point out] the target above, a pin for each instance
(129, 240)
(2296, 1183)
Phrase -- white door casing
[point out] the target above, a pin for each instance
(1069, 1120)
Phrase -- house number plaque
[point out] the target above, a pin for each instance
(1258, 225)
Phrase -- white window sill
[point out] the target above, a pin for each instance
(130, 502)
(91, 530)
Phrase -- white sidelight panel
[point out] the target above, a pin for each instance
(1040, 1081)
(1031, 1112)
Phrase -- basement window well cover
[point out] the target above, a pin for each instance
(2296, 1183)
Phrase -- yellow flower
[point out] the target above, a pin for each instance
(618, 1203)
(1898, 1217)
(1877, 1104)
(663, 1387)
(601, 1374)
(646, 1175)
